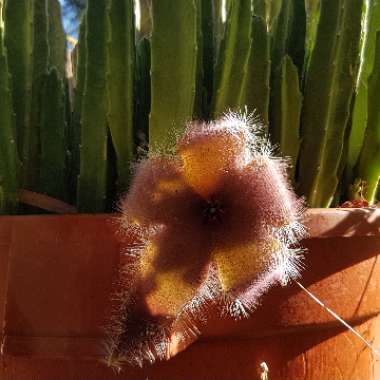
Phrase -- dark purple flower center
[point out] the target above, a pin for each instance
(213, 211)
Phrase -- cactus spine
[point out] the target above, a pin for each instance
(327, 102)
(92, 181)
(173, 69)
(120, 84)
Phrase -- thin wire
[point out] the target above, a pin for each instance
(342, 321)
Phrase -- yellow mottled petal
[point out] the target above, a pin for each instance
(238, 266)
(207, 160)
(166, 188)
(167, 291)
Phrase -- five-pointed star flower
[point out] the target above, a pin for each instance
(215, 222)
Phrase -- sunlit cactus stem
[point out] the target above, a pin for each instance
(232, 63)
(74, 132)
(327, 102)
(18, 40)
(360, 117)
(39, 68)
(369, 162)
(286, 111)
(256, 80)
(92, 181)
(173, 69)
(120, 84)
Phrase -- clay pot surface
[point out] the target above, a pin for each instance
(56, 275)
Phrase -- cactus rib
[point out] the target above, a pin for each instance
(255, 83)
(286, 104)
(232, 64)
(92, 181)
(120, 84)
(369, 162)
(173, 69)
(8, 151)
(330, 82)
(371, 25)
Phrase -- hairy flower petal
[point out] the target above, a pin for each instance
(173, 268)
(158, 193)
(241, 265)
(208, 151)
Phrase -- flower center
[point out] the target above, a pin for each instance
(213, 211)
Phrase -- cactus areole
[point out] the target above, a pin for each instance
(215, 223)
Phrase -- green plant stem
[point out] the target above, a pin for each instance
(9, 168)
(120, 85)
(371, 25)
(369, 161)
(53, 142)
(255, 83)
(329, 87)
(287, 104)
(92, 181)
(173, 70)
(233, 59)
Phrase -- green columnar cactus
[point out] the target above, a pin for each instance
(79, 62)
(173, 69)
(218, 27)
(142, 94)
(145, 18)
(329, 86)
(18, 39)
(92, 181)
(255, 82)
(268, 10)
(288, 35)
(371, 26)
(232, 64)
(286, 110)
(53, 142)
(8, 151)
(39, 69)
(57, 38)
(313, 8)
(208, 50)
(35, 41)
(369, 161)
(120, 84)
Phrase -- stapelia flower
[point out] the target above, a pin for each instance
(214, 223)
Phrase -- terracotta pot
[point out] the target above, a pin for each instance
(56, 274)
